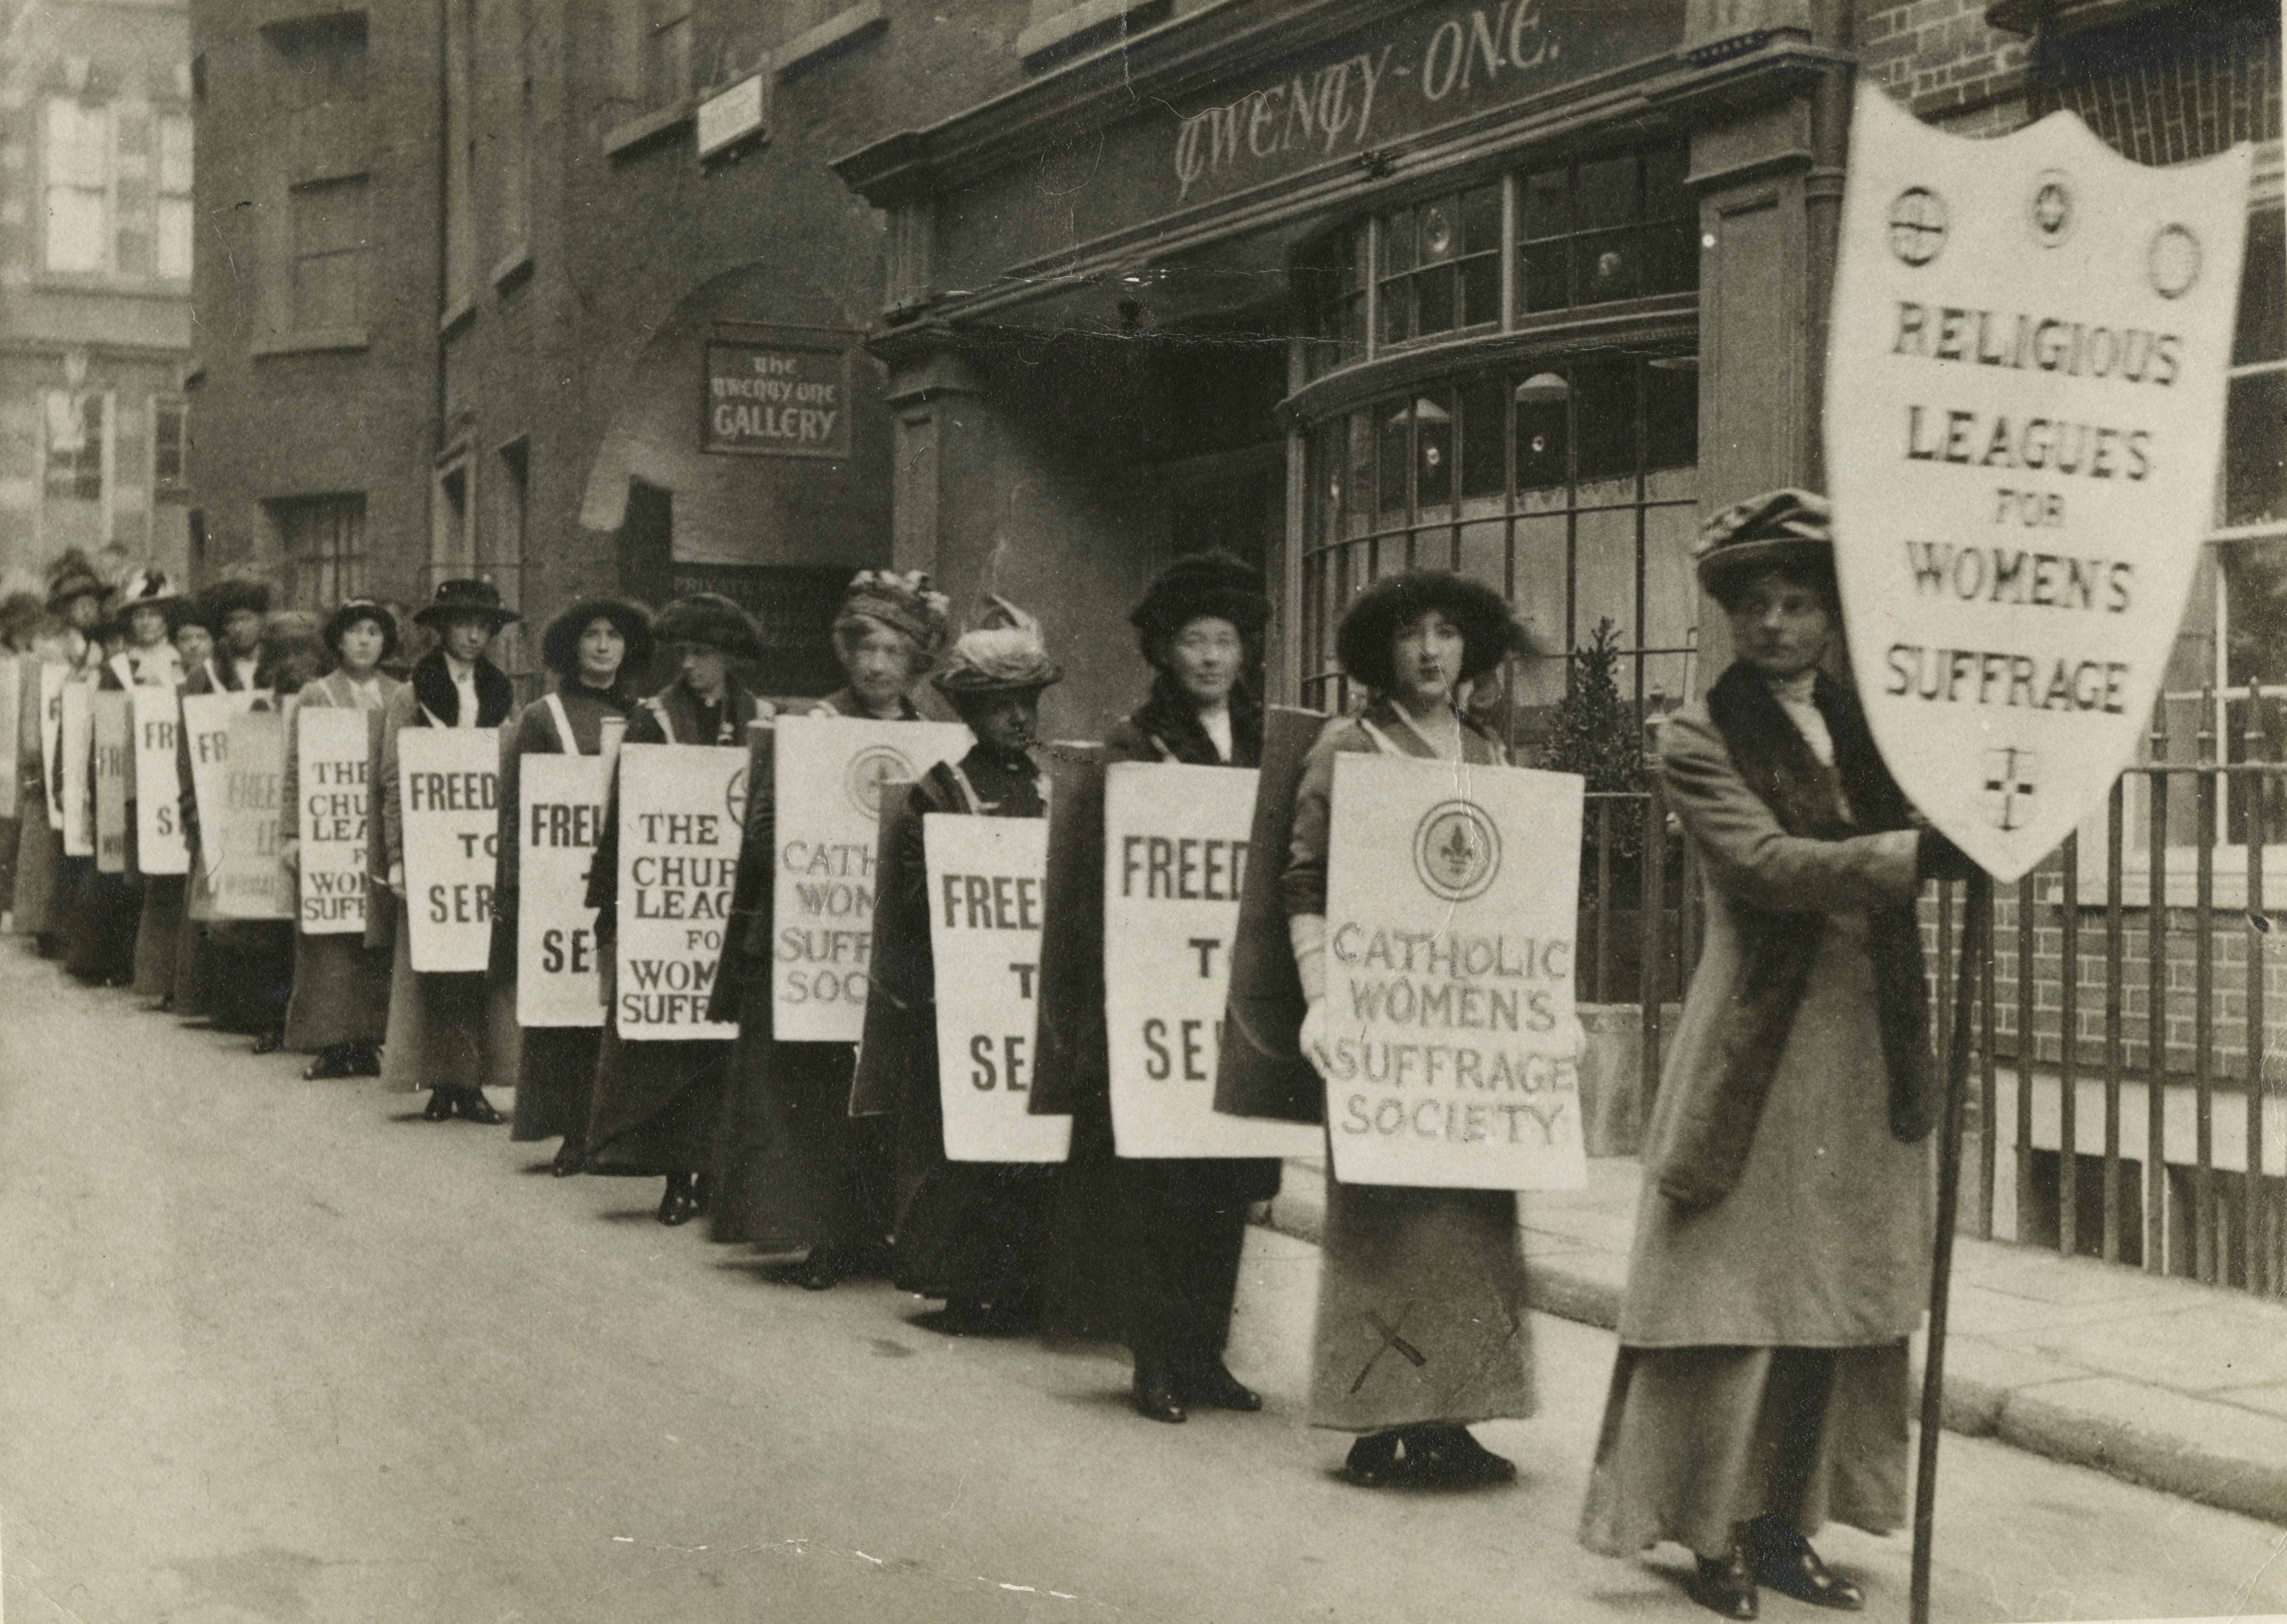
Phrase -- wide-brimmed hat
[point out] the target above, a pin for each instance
(20, 612)
(712, 619)
(351, 612)
(218, 599)
(148, 588)
(72, 576)
(290, 636)
(559, 644)
(905, 603)
(1786, 529)
(1003, 654)
(1490, 633)
(1197, 586)
(459, 598)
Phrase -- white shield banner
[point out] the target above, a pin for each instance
(159, 845)
(986, 876)
(683, 808)
(252, 879)
(53, 680)
(559, 817)
(76, 760)
(1452, 899)
(113, 769)
(449, 779)
(206, 733)
(1175, 853)
(333, 814)
(2024, 406)
(827, 776)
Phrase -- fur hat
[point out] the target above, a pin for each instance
(905, 603)
(219, 600)
(291, 653)
(1489, 632)
(455, 598)
(1198, 585)
(559, 644)
(1790, 530)
(710, 619)
(72, 576)
(351, 612)
(1003, 654)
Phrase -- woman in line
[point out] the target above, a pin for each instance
(232, 611)
(148, 608)
(655, 1102)
(972, 1233)
(76, 595)
(339, 1008)
(21, 617)
(1782, 1244)
(1442, 1264)
(1147, 1249)
(35, 639)
(443, 1027)
(592, 647)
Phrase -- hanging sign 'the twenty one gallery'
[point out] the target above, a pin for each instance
(2025, 407)
(778, 395)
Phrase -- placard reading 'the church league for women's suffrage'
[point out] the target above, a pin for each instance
(159, 847)
(449, 779)
(1176, 848)
(1453, 896)
(111, 727)
(333, 814)
(829, 774)
(986, 877)
(251, 880)
(559, 820)
(683, 809)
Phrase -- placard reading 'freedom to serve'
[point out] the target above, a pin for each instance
(449, 779)
(206, 733)
(159, 847)
(1175, 847)
(829, 775)
(986, 877)
(683, 808)
(333, 814)
(112, 779)
(1452, 895)
(560, 821)
(251, 880)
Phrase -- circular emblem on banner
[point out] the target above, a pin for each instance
(2054, 208)
(2173, 262)
(734, 798)
(1917, 225)
(1456, 850)
(870, 769)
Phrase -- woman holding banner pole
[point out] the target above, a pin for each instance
(590, 646)
(1147, 1249)
(1783, 1241)
(339, 1008)
(1439, 1270)
(794, 1171)
(443, 1028)
(656, 1101)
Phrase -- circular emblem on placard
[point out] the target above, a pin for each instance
(734, 798)
(2053, 209)
(1456, 850)
(2173, 262)
(869, 770)
(1917, 225)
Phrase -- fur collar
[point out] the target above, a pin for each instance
(1169, 720)
(1855, 796)
(434, 693)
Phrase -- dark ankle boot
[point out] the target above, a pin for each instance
(680, 1204)
(1208, 1382)
(473, 1107)
(1784, 1561)
(1155, 1392)
(440, 1107)
(1373, 1462)
(1726, 1584)
(571, 1156)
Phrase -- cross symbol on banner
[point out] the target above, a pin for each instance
(2011, 778)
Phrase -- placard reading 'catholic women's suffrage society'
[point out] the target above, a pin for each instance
(2024, 406)
(251, 880)
(448, 779)
(112, 777)
(986, 877)
(75, 756)
(159, 847)
(1175, 843)
(683, 808)
(560, 819)
(333, 814)
(206, 731)
(1452, 897)
(829, 775)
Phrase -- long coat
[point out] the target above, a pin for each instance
(194, 958)
(341, 985)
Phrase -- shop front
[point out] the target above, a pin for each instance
(1512, 288)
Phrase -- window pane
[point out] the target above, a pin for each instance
(1548, 204)
(1480, 290)
(1544, 273)
(1441, 233)
(1361, 483)
(1604, 420)
(2263, 292)
(1541, 570)
(174, 154)
(1612, 266)
(1543, 413)
(1604, 562)
(135, 257)
(1397, 242)
(1484, 438)
(175, 238)
(1671, 416)
(1607, 193)
(1433, 293)
(2255, 449)
(1393, 459)
(1481, 219)
(1433, 429)
(79, 144)
(1671, 258)
(1664, 196)
(77, 239)
(169, 424)
(1671, 594)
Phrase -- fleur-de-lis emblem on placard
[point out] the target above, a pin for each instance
(1456, 850)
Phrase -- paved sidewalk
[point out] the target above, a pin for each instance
(2159, 1381)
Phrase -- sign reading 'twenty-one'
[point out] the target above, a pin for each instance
(778, 398)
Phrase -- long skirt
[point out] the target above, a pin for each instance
(965, 1229)
(194, 954)
(1696, 1440)
(793, 1170)
(444, 1029)
(340, 994)
(156, 928)
(1146, 1252)
(555, 1081)
(655, 1105)
(98, 922)
(1422, 1315)
(253, 973)
(10, 837)
(38, 850)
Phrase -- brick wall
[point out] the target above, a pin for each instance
(1941, 58)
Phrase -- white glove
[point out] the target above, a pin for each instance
(289, 853)
(1315, 1039)
(1579, 1041)
(397, 878)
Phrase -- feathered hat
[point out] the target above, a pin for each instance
(905, 603)
(72, 576)
(1003, 652)
(148, 588)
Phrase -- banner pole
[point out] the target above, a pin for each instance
(1976, 943)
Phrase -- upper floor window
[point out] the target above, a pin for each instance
(1608, 228)
(328, 271)
(323, 60)
(173, 197)
(170, 445)
(79, 187)
(322, 538)
(75, 446)
(655, 51)
(1441, 265)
